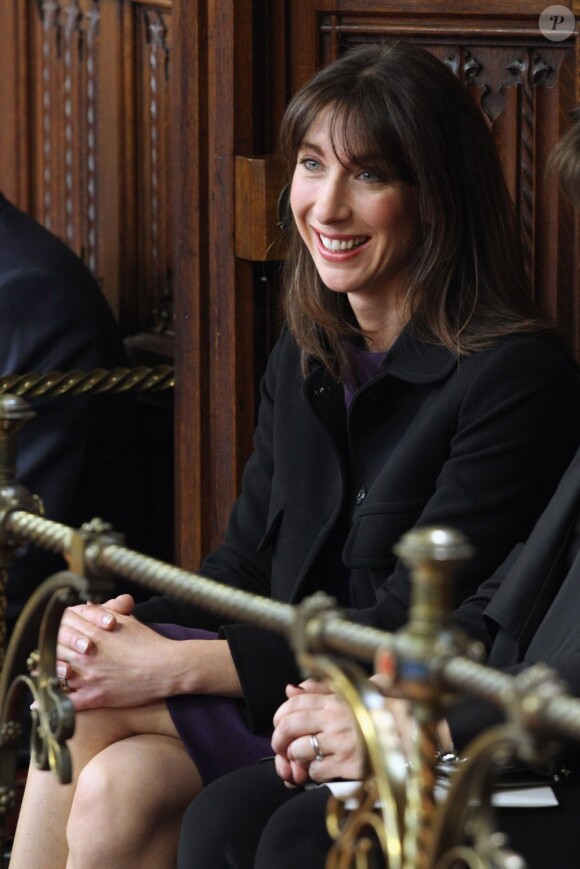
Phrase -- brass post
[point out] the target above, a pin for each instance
(432, 555)
(14, 414)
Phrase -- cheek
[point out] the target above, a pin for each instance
(296, 199)
(299, 206)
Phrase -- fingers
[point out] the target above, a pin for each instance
(304, 751)
(79, 628)
(299, 700)
(283, 768)
(123, 603)
(294, 725)
(77, 624)
(308, 761)
(63, 670)
(292, 772)
(313, 686)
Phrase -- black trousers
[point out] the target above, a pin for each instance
(250, 820)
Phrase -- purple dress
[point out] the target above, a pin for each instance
(213, 729)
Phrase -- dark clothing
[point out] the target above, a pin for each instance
(250, 820)
(76, 452)
(530, 606)
(532, 617)
(478, 444)
(225, 824)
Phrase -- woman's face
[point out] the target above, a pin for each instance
(360, 229)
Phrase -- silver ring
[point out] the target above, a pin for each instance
(64, 686)
(318, 753)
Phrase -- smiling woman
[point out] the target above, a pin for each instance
(415, 384)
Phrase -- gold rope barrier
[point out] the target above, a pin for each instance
(432, 665)
(142, 378)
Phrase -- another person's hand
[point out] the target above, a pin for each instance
(312, 710)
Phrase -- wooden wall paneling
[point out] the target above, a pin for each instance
(189, 192)
(153, 44)
(14, 96)
(305, 34)
(67, 106)
(230, 302)
(114, 219)
(91, 81)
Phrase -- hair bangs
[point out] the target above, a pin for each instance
(363, 137)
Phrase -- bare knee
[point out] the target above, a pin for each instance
(100, 822)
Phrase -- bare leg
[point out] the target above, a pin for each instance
(129, 803)
(137, 757)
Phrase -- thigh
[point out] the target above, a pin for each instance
(546, 837)
(223, 825)
(96, 729)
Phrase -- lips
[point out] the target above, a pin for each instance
(342, 244)
(339, 248)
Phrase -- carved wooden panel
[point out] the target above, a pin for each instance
(94, 76)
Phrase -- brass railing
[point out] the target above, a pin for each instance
(433, 663)
(142, 378)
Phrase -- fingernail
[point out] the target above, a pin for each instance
(82, 644)
(107, 619)
(61, 671)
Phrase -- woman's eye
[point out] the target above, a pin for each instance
(368, 176)
(309, 164)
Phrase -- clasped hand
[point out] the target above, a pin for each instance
(108, 657)
(312, 709)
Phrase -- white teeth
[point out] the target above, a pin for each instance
(334, 244)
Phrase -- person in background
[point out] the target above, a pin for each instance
(414, 383)
(527, 612)
(76, 453)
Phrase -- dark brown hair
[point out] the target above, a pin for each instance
(468, 284)
(565, 159)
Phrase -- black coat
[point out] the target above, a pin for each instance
(478, 444)
(530, 606)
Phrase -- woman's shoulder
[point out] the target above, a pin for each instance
(533, 352)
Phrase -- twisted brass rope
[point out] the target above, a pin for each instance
(560, 713)
(141, 378)
(337, 634)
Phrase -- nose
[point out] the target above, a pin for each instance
(331, 204)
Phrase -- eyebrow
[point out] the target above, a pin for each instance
(360, 160)
(310, 146)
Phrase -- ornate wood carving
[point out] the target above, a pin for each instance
(97, 107)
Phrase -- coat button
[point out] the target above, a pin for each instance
(361, 495)
(323, 391)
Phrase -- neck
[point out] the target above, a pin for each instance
(381, 319)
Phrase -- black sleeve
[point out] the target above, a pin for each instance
(469, 616)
